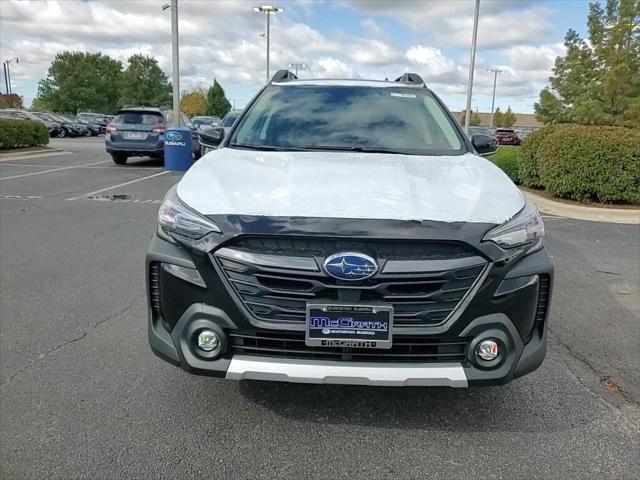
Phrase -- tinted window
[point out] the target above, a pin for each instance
(394, 119)
(139, 118)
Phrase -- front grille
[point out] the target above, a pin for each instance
(405, 349)
(279, 290)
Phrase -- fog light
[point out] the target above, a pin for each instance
(487, 350)
(208, 340)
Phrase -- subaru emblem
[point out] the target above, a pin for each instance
(350, 266)
(174, 136)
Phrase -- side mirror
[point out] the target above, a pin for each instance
(211, 136)
(485, 145)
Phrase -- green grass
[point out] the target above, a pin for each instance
(507, 159)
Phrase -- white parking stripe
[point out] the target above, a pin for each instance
(6, 157)
(52, 170)
(127, 168)
(119, 185)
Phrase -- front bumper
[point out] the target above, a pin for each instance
(513, 318)
(245, 367)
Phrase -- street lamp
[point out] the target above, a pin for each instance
(7, 74)
(268, 10)
(297, 66)
(175, 60)
(472, 64)
(493, 98)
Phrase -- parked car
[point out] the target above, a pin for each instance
(92, 129)
(205, 121)
(365, 241)
(139, 131)
(67, 128)
(53, 127)
(230, 118)
(476, 130)
(507, 136)
(97, 119)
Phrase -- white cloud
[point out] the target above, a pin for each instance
(225, 41)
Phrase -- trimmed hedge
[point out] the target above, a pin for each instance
(528, 169)
(508, 159)
(22, 133)
(584, 163)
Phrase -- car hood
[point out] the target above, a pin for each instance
(464, 188)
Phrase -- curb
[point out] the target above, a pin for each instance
(5, 157)
(580, 212)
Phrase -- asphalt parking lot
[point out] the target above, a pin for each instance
(82, 396)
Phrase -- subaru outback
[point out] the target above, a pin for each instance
(349, 232)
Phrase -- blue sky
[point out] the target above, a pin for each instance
(336, 38)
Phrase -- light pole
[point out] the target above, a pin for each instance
(7, 74)
(472, 64)
(495, 71)
(175, 60)
(297, 66)
(268, 10)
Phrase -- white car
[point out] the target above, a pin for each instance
(347, 231)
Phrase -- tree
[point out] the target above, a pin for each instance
(497, 118)
(144, 83)
(474, 119)
(217, 103)
(194, 103)
(80, 81)
(506, 119)
(597, 82)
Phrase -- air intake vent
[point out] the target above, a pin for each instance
(544, 290)
(154, 288)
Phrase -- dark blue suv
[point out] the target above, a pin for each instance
(139, 132)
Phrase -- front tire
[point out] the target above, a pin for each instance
(62, 133)
(119, 158)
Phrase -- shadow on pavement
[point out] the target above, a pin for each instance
(521, 406)
(143, 162)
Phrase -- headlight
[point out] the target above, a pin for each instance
(177, 222)
(526, 228)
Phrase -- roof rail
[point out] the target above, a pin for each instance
(283, 76)
(412, 78)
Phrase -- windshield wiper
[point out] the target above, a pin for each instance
(266, 148)
(337, 148)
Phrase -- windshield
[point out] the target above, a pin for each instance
(356, 118)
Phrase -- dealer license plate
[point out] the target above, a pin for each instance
(349, 326)
(135, 135)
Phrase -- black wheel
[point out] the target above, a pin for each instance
(62, 133)
(119, 158)
(88, 134)
(197, 154)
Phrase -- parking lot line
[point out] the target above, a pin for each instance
(79, 166)
(119, 185)
(52, 170)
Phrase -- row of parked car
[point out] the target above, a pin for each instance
(139, 132)
(62, 125)
(505, 136)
